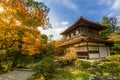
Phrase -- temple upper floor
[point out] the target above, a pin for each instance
(83, 31)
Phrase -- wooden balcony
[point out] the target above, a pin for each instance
(83, 57)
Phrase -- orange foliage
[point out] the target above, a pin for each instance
(32, 48)
(19, 26)
(37, 43)
(25, 39)
(58, 50)
(33, 43)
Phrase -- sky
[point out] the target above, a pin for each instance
(64, 13)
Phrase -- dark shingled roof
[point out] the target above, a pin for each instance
(84, 22)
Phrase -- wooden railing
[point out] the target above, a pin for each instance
(73, 37)
(83, 57)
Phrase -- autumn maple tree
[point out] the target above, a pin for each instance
(19, 20)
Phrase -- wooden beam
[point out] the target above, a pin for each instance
(88, 50)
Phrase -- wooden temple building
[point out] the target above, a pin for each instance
(83, 35)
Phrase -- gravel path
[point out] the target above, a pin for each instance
(21, 74)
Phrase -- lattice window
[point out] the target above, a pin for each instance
(91, 48)
(83, 48)
(77, 31)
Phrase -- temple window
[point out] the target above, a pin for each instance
(71, 34)
(74, 33)
(77, 32)
(93, 48)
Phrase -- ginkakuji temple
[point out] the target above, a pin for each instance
(83, 35)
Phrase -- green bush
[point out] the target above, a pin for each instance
(81, 76)
(6, 65)
(23, 60)
(47, 67)
(114, 57)
(83, 65)
(107, 69)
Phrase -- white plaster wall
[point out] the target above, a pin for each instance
(103, 51)
(71, 34)
(76, 44)
(77, 32)
(108, 50)
(93, 55)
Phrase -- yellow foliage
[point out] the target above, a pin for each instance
(70, 53)
(114, 37)
(40, 78)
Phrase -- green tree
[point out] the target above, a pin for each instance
(105, 21)
(50, 37)
(44, 39)
(111, 23)
(106, 32)
(116, 38)
(46, 48)
(113, 33)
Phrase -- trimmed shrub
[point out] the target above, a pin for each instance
(47, 67)
(114, 57)
(107, 69)
(83, 65)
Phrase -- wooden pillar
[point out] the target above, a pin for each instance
(98, 50)
(87, 49)
(107, 51)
